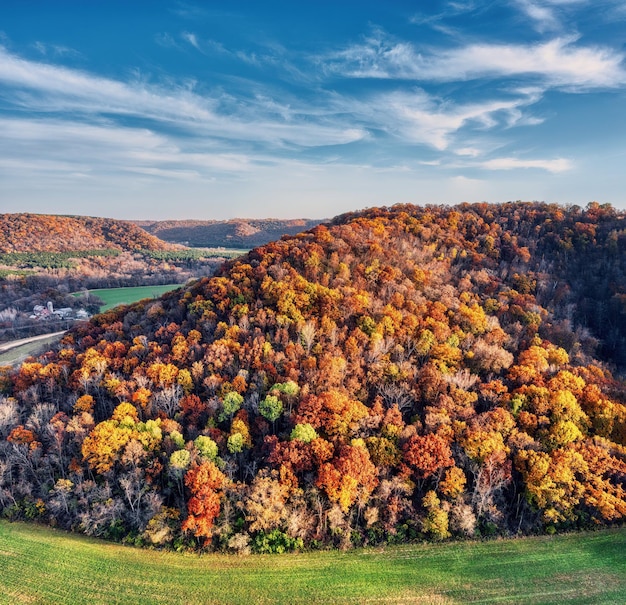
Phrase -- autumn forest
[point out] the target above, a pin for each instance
(395, 374)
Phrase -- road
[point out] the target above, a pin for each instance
(7, 346)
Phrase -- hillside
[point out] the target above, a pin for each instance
(399, 373)
(236, 233)
(54, 233)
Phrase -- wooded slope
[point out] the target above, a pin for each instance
(398, 373)
(55, 233)
(235, 233)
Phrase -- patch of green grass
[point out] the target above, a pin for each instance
(194, 253)
(40, 565)
(125, 296)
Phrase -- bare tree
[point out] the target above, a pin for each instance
(307, 336)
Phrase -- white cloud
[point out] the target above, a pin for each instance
(420, 118)
(554, 166)
(550, 15)
(56, 131)
(93, 127)
(463, 180)
(70, 89)
(55, 49)
(13, 166)
(558, 62)
(50, 88)
(191, 39)
(543, 16)
(43, 146)
(470, 152)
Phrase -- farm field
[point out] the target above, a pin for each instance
(40, 565)
(125, 296)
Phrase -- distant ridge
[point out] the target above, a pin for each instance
(25, 232)
(234, 233)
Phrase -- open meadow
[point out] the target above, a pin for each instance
(40, 565)
(125, 296)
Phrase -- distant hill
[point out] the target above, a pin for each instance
(26, 232)
(235, 233)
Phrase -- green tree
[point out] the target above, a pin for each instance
(271, 408)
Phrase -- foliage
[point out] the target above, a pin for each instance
(303, 432)
(34, 233)
(51, 260)
(204, 482)
(401, 370)
(275, 542)
(271, 408)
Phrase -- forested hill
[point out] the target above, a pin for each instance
(54, 233)
(235, 233)
(399, 373)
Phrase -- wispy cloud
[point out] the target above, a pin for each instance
(187, 10)
(68, 147)
(55, 50)
(51, 88)
(183, 127)
(421, 118)
(75, 90)
(550, 15)
(541, 14)
(91, 125)
(470, 152)
(192, 39)
(165, 40)
(438, 21)
(559, 62)
(554, 166)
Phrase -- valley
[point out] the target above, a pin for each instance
(56, 259)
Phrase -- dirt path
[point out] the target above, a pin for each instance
(7, 346)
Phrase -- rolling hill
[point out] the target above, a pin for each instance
(54, 233)
(235, 233)
(398, 373)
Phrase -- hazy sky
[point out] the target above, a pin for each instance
(169, 109)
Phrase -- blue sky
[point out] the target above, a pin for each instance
(212, 110)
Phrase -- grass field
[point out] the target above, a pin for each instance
(40, 565)
(125, 296)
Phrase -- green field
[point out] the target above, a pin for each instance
(40, 565)
(124, 296)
